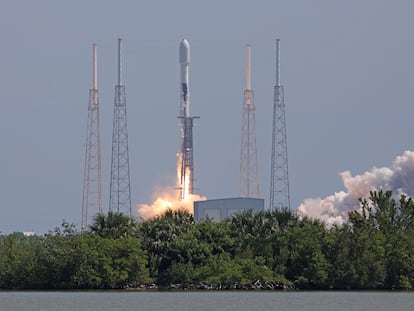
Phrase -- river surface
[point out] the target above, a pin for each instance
(158, 300)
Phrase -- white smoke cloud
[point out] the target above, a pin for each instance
(334, 209)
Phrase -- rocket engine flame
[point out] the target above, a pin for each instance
(167, 199)
(334, 209)
(183, 178)
(186, 185)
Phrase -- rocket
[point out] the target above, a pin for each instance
(185, 152)
(184, 59)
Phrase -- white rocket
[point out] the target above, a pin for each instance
(186, 126)
(184, 64)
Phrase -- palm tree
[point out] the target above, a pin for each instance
(113, 225)
(158, 234)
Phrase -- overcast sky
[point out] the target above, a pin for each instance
(346, 66)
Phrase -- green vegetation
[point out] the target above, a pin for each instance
(268, 250)
(72, 260)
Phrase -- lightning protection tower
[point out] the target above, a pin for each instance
(120, 189)
(279, 182)
(248, 186)
(92, 181)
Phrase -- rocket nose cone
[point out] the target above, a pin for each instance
(184, 52)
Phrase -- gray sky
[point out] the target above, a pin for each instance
(347, 68)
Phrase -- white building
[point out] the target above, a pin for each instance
(221, 208)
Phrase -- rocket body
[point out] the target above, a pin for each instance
(184, 59)
(185, 153)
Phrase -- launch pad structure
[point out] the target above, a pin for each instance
(279, 180)
(120, 187)
(92, 180)
(248, 185)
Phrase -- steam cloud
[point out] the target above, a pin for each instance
(334, 209)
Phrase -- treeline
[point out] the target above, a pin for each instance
(268, 250)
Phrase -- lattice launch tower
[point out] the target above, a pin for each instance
(248, 186)
(120, 188)
(279, 182)
(92, 181)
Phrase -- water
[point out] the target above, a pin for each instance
(152, 300)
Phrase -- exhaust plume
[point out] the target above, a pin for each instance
(166, 200)
(334, 209)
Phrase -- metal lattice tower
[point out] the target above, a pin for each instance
(248, 186)
(279, 182)
(92, 180)
(120, 189)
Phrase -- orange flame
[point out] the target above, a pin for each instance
(168, 199)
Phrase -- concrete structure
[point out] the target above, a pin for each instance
(221, 208)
